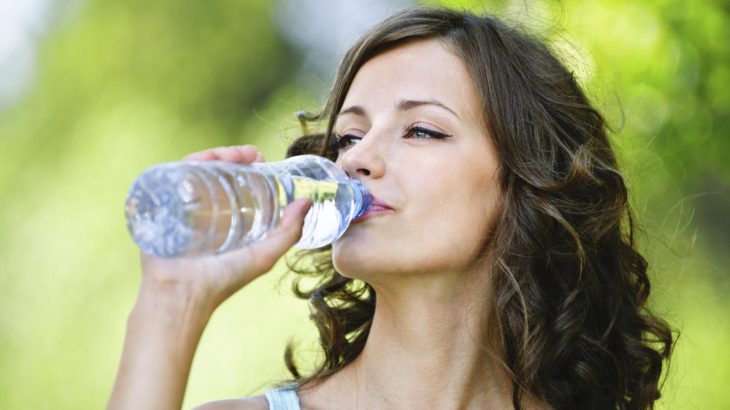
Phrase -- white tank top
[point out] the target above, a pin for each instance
(284, 398)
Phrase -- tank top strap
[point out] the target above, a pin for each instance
(284, 398)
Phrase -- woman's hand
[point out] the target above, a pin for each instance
(216, 277)
(177, 297)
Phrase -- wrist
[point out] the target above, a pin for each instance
(177, 306)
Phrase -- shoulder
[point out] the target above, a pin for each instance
(249, 403)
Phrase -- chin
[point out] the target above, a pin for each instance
(357, 262)
(349, 263)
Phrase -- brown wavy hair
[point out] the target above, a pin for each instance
(570, 288)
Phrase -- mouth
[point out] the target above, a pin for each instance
(377, 207)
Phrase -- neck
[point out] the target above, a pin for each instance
(428, 348)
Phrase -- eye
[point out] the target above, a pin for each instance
(345, 140)
(420, 132)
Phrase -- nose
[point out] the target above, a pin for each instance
(363, 159)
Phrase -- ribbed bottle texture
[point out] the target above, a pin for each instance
(191, 208)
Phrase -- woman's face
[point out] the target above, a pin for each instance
(412, 131)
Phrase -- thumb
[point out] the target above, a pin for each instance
(267, 252)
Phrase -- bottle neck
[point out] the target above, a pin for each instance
(362, 197)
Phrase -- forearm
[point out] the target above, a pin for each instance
(163, 331)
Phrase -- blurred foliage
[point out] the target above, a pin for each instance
(122, 85)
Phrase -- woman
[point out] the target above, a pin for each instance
(495, 269)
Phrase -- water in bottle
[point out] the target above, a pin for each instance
(190, 208)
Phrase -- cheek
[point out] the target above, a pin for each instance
(447, 228)
(456, 234)
(464, 216)
(442, 227)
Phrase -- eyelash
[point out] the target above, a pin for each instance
(345, 140)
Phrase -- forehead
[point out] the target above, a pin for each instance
(424, 69)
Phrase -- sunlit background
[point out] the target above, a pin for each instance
(94, 91)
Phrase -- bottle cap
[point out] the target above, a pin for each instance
(365, 197)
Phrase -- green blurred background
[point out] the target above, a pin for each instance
(93, 92)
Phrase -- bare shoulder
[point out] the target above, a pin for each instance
(248, 403)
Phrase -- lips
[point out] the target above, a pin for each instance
(377, 203)
(377, 207)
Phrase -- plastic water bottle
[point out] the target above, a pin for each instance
(192, 208)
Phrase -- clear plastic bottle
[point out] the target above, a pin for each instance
(192, 208)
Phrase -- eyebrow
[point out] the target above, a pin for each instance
(403, 105)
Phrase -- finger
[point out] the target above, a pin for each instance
(259, 157)
(289, 231)
(241, 154)
(294, 214)
(207, 155)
